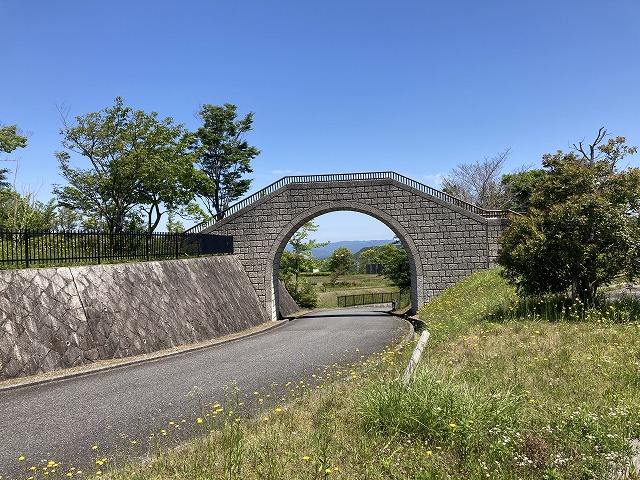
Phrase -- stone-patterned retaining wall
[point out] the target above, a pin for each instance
(54, 318)
(288, 306)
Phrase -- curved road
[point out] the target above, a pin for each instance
(62, 420)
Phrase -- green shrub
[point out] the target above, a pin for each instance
(304, 295)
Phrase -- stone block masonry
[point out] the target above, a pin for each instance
(55, 318)
(444, 242)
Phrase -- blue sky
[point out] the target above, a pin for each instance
(336, 86)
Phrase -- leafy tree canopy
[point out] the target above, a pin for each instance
(395, 263)
(292, 263)
(11, 138)
(341, 260)
(368, 256)
(583, 226)
(137, 162)
(224, 156)
(24, 212)
(518, 187)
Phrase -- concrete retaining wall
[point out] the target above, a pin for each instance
(54, 318)
(286, 303)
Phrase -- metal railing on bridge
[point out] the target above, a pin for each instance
(349, 177)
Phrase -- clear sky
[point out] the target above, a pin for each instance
(336, 86)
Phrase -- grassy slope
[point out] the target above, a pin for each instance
(517, 397)
(521, 397)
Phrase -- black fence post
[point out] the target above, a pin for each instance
(146, 245)
(26, 248)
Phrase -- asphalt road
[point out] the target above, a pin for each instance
(61, 421)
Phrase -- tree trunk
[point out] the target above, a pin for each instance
(574, 289)
(151, 224)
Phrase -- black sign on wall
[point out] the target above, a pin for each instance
(215, 244)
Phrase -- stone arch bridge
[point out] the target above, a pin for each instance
(445, 238)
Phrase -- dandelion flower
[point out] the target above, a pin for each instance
(21, 458)
(199, 420)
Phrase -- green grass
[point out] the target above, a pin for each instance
(502, 392)
(518, 389)
(328, 293)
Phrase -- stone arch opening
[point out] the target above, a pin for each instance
(284, 235)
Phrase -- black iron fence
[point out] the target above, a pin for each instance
(42, 248)
(372, 298)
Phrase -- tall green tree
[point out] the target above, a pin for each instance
(24, 212)
(224, 155)
(340, 262)
(168, 180)
(395, 265)
(136, 163)
(18, 211)
(300, 259)
(394, 260)
(582, 229)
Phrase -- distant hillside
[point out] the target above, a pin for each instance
(352, 245)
